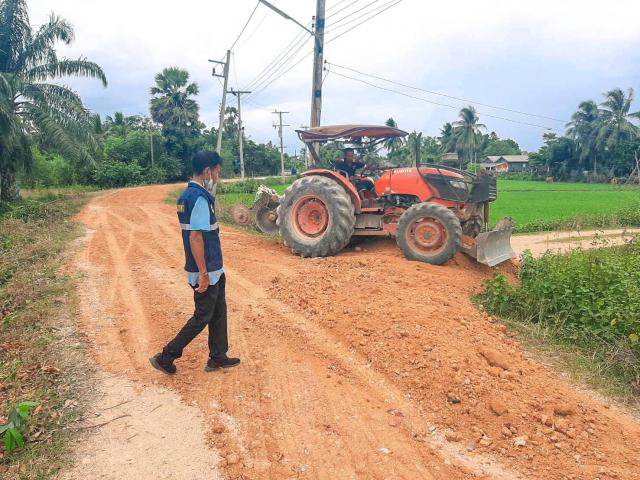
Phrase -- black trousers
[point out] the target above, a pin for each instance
(211, 311)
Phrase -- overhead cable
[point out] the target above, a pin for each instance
(437, 103)
(245, 26)
(377, 77)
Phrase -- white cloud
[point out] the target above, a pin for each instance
(543, 56)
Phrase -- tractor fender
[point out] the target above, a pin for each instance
(344, 182)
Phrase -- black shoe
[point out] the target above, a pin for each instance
(226, 362)
(165, 366)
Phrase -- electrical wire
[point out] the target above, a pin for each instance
(335, 24)
(245, 26)
(344, 21)
(473, 102)
(438, 103)
(363, 21)
(275, 69)
(276, 60)
(250, 36)
(275, 78)
(342, 9)
(337, 5)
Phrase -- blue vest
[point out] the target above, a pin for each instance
(212, 250)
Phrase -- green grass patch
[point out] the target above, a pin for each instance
(539, 206)
(586, 301)
(41, 359)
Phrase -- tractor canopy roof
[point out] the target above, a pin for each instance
(348, 132)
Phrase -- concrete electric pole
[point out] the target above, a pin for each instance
(223, 104)
(279, 126)
(238, 93)
(318, 50)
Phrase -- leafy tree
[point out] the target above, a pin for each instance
(467, 131)
(29, 103)
(171, 102)
(392, 145)
(616, 123)
(174, 108)
(499, 146)
(584, 129)
(447, 139)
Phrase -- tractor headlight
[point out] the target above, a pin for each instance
(459, 185)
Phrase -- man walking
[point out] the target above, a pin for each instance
(203, 263)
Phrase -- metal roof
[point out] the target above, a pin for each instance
(337, 132)
(508, 158)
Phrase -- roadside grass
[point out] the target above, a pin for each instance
(41, 358)
(581, 309)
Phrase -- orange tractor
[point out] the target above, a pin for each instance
(432, 210)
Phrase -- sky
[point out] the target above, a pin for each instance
(539, 57)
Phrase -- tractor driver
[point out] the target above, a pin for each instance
(345, 165)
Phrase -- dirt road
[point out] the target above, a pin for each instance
(360, 366)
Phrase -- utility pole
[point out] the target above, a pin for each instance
(304, 150)
(223, 104)
(151, 140)
(279, 126)
(238, 93)
(318, 50)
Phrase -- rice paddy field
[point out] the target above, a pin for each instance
(538, 206)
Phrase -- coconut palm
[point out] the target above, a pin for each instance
(447, 138)
(584, 128)
(171, 102)
(30, 104)
(467, 133)
(392, 145)
(616, 119)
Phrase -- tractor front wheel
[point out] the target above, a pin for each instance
(316, 217)
(430, 233)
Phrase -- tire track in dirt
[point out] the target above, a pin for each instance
(358, 366)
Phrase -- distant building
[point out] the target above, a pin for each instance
(506, 163)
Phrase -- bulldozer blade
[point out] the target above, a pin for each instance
(266, 220)
(491, 248)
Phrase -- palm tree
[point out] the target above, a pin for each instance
(171, 102)
(583, 129)
(447, 138)
(467, 131)
(392, 145)
(616, 126)
(29, 103)
(118, 124)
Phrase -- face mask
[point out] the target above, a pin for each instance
(209, 185)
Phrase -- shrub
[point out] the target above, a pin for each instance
(112, 174)
(585, 296)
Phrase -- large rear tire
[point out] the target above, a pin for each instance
(316, 217)
(430, 233)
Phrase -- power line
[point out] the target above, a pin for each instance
(257, 27)
(337, 5)
(438, 103)
(343, 8)
(269, 67)
(276, 68)
(336, 23)
(364, 21)
(245, 26)
(445, 95)
(257, 92)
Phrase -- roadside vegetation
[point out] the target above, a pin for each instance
(42, 365)
(583, 308)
